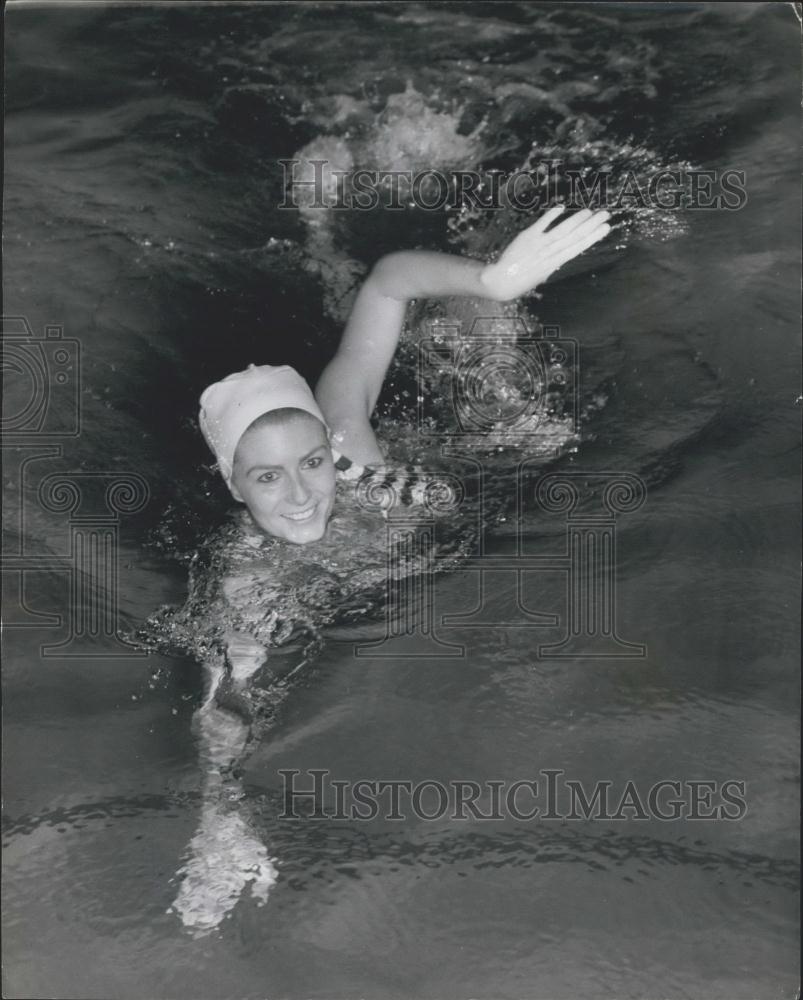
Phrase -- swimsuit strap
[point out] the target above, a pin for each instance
(407, 483)
(347, 469)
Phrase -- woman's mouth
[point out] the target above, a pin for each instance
(302, 515)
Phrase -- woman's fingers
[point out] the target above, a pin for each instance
(547, 219)
(577, 234)
(534, 254)
(569, 225)
(535, 236)
(569, 239)
(580, 222)
(565, 252)
(528, 248)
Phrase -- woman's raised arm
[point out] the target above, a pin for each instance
(348, 389)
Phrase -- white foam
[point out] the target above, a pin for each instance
(224, 858)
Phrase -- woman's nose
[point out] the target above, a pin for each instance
(299, 492)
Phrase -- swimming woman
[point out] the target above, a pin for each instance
(279, 446)
(290, 458)
(282, 449)
(301, 553)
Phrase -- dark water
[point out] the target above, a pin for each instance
(140, 213)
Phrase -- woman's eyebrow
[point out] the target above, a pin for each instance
(262, 468)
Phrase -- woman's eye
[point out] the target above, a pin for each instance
(267, 477)
(314, 462)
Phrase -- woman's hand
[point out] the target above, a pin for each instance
(534, 254)
(244, 655)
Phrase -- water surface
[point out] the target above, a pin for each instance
(140, 193)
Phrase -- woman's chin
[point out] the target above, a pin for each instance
(306, 534)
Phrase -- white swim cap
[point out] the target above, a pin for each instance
(229, 407)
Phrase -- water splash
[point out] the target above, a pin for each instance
(408, 134)
(225, 858)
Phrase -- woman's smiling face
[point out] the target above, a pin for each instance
(284, 473)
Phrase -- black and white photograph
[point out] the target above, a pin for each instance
(401, 448)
